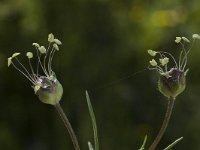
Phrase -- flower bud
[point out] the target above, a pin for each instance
(173, 84)
(50, 91)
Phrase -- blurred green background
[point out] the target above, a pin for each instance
(103, 41)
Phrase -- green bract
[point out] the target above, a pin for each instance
(50, 91)
(173, 84)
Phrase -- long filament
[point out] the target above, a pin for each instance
(24, 68)
(30, 79)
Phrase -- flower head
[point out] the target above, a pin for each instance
(172, 80)
(45, 85)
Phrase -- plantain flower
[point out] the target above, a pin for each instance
(42, 77)
(172, 72)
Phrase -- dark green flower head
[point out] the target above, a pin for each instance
(46, 86)
(50, 90)
(173, 85)
(172, 81)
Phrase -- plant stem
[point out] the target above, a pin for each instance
(67, 125)
(164, 124)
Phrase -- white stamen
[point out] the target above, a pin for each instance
(50, 37)
(151, 52)
(153, 62)
(15, 55)
(178, 39)
(196, 36)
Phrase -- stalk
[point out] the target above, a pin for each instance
(67, 125)
(164, 124)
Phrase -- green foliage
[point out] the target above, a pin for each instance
(90, 146)
(94, 125)
(173, 144)
(144, 143)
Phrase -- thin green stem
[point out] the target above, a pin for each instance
(67, 125)
(164, 124)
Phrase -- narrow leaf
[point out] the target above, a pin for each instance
(94, 125)
(173, 144)
(90, 146)
(144, 143)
